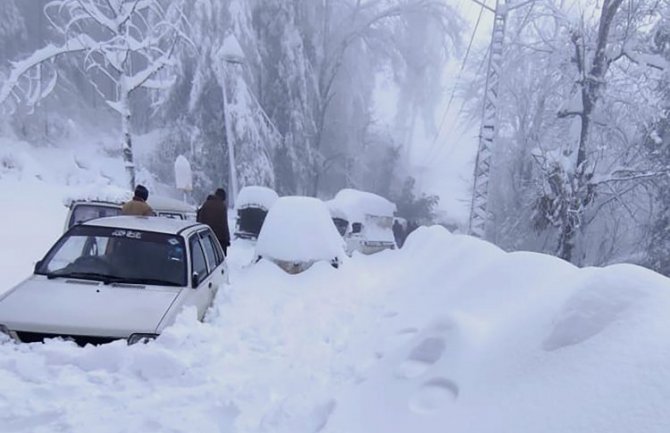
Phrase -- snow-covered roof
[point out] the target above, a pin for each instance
(357, 204)
(335, 211)
(299, 229)
(256, 196)
(107, 194)
(231, 50)
(149, 224)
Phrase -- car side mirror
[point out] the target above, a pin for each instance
(356, 228)
(38, 265)
(195, 280)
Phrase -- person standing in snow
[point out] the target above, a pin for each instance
(138, 205)
(214, 213)
(398, 233)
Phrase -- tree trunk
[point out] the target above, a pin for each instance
(591, 83)
(128, 159)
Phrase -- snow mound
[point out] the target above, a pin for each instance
(183, 174)
(488, 341)
(256, 196)
(357, 204)
(299, 229)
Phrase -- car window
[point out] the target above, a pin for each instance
(214, 255)
(86, 212)
(198, 262)
(117, 255)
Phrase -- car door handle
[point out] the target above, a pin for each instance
(209, 285)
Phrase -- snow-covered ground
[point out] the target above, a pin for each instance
(449, 334)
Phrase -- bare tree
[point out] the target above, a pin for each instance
(125, 45)
(571, 178)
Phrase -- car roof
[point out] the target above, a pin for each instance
(149, 224)
(157, 202)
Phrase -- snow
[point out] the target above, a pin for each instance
(299, 229)
(81, 43)
(256, 196)
(447, 334)
(231, 50)
(357, 204)
(114, 194)
(183, 174)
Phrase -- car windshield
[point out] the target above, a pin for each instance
(86, 212)
(115, 255)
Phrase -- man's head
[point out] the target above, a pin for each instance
(221, 193)
(141, 192)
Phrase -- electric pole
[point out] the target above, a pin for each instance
(479, 213)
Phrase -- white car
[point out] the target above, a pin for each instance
(122, 277)
(297, 233)
(364, 219)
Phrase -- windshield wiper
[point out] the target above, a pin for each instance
(149, 281)
(94, 276)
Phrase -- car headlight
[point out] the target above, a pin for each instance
(141, 338)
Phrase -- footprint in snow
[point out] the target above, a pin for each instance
(433, 395)
(422, 357)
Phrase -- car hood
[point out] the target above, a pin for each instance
(79, 307)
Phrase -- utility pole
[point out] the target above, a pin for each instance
(479, 213)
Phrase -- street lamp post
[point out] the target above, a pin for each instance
(231, 53)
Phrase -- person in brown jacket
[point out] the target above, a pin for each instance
(138, 205)
(214, 213)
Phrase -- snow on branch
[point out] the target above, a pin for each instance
(20, 68)
(627, 175)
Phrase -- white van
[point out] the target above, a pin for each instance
(364, 219)
(82, 210)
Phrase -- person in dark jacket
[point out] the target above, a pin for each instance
(214, 213)
(138, 205)
(398, 233)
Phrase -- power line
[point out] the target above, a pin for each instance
(433, 148)
(467, 53)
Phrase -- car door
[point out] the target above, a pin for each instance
(200, 296)
(215, 259)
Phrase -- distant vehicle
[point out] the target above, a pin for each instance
(252, 206)
(297, 233)
(86, 209)
(122, 277)
(365, 220)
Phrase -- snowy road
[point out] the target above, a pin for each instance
(448, 334)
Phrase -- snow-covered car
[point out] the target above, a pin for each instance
(85, 209)
(365, 220)
(299, 232)
(251, 207)
(122, 277)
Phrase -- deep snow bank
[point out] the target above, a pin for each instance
(496, 342)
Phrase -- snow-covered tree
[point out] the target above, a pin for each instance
(575, 96)
(228, 134)
(124, 45)
(361, 37)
